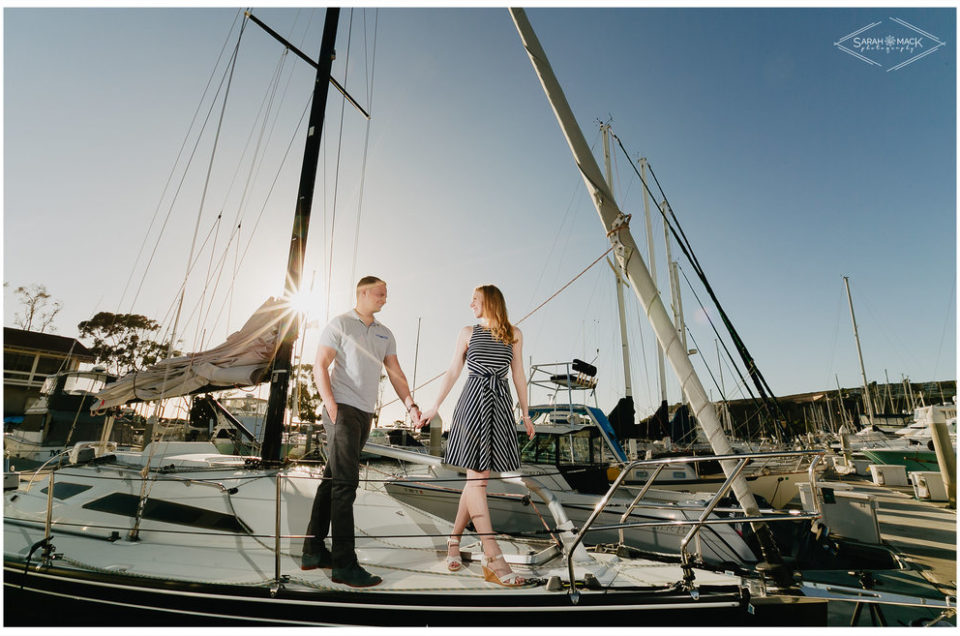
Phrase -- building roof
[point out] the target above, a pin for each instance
(48, 342)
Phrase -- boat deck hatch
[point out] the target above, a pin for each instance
(168, 512)
(65, 490)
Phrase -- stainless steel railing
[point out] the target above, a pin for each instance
(704, 519)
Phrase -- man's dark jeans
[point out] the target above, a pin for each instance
(338, 490)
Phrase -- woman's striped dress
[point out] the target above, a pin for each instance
(483, 435)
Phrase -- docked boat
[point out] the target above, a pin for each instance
(219, 541)
(579, 441)
(179, 533)
(910, 446)
(60, 418)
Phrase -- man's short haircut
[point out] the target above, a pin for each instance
(367, 281)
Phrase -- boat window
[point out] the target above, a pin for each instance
(542, 449)
(47, 365)
(65, 490)
(576, 448)
(168, 512)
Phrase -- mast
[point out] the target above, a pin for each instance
(677, 304)
(661, 369)
(616, 226)
(624, 344)
(886, 375)
(867, 401)
(842, 409)
(280, 374)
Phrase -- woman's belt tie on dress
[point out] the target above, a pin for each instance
(496, 382)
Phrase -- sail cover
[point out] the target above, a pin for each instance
(241, 361)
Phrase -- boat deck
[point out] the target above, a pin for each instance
(924, 536)
(923, 533)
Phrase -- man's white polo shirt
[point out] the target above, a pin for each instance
(355, 377)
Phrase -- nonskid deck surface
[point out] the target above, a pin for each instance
(405, 546)
(403, 565)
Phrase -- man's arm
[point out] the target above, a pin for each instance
(321, 375)
(399, 381)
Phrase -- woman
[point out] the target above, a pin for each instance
(483, 435)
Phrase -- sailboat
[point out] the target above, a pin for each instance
(182, 534)
(179, 533)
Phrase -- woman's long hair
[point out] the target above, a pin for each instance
(495, 311)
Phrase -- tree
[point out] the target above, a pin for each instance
(119, 340)
(305, 398)
(39, 309)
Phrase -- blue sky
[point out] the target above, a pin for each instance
(788, 162)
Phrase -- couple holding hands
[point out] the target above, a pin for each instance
(482, 437)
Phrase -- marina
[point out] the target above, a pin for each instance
(182, 487)
(923, 536)
(920, 534)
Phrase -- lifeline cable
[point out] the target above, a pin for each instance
(535, 309)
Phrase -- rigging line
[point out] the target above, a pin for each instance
(366, 136)
(173, 170)
(706, 365)
(336, 172)
(256, 161)
(265, 108)
(716, 333)
(183, 178)
(567, 215)
(182, 288)
(286, 91)
(881, 324)
(681, 242)
(644, 357)
(530, 313)
(276, 176)
(213, 156)
(587, 306)
(685, 242)
(230, 291)
(197, 340)
(767, 395)
(269, 193)
(165, 320)
(570, 282)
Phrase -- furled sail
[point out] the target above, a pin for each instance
(240, 361)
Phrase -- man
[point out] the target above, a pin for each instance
(358, 346)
